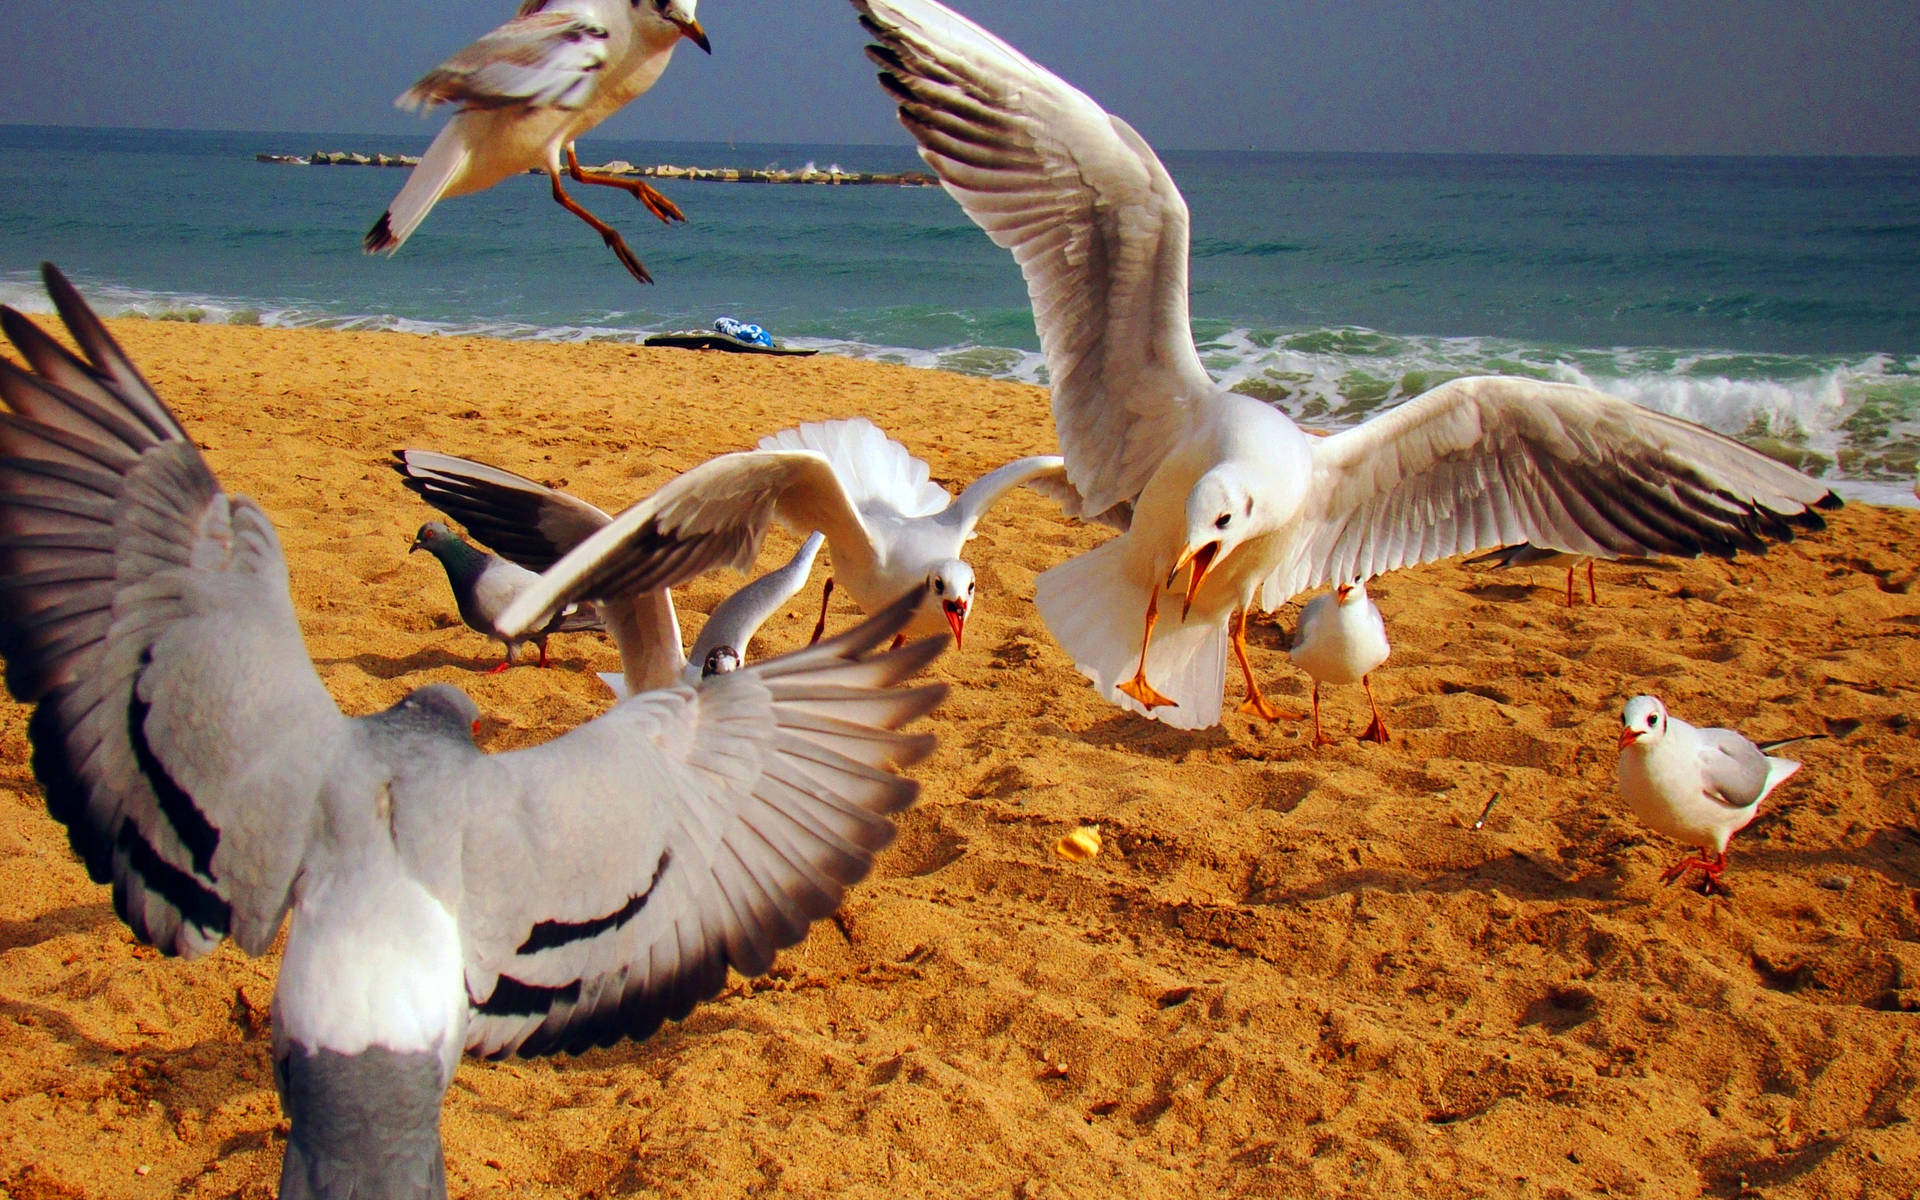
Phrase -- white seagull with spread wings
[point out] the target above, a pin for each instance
(525, 92)
(441, 899)
(890, 529)
(1224, 488)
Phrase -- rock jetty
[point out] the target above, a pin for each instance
(806, 174)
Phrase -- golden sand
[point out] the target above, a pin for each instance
(1287, 972)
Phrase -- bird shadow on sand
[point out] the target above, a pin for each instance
(197, 1078)
(379, 666)
(1130, 731)
(1514, 874)
(55, 923)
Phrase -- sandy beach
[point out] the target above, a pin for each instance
(1291, 971)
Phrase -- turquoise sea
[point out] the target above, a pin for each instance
(1777, 299)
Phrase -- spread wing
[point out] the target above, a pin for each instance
(145, 613)
(1046, 471)
(1095, 222)
(522, 521)
(715, 515)
(548, 59)
(1492, 460)
(614, 875)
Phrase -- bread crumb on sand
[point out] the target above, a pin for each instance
(1289, 972)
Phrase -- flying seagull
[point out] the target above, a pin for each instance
(484, 584)
(1697, 786)
(531, 525)
(525, 92)
(889, 528)
(437, 899)
(1225, 489)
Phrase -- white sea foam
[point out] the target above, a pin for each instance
(1853, 420)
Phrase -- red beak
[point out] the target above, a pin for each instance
(956, 621)
(1628, 737)
(1344, 590)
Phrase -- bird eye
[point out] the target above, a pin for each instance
(940, 587)
(1224, 520)
(969, 589)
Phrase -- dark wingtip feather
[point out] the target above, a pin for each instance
(1830, 501)
(380, 237)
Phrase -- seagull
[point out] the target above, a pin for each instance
(1224, 489)
(532, 525)
(1341, 638)
(1528, 555)
(889, 528)
(437, 899)
(525, 92)
(1697, 786)
(484, 584)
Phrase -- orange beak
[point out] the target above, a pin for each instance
(1344, 590)
(1628, 737)
(691, 31)
(956, 621)
(1202, 561)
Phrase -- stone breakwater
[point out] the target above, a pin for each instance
(806, 174)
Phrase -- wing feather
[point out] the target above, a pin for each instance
(146, 613)
(740, 817)
(1095, 222)
(1493, 460)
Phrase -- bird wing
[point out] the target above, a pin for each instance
(878, 473)
(613, 875)
(1733, 770)
(736, 619)
(984, 491)
(546, 59)
(522, 521)
(1491, 460)
(714, 515)
(1095, 222)
(180, 731)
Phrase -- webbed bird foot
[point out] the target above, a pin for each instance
(1145, 693)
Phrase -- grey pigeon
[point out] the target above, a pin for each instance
(441, 899)
(533, 525)
(483, 585)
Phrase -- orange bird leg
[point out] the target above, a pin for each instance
(1376, 732)
(820, 626)
(1319, 738)
(1138, 687)
(1593, 597)
(607, 233)
(1711, 866)
(899, 640)
(642, 191)
(1255, 703)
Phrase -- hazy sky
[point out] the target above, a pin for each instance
(1671, 76)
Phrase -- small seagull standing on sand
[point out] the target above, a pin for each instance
(525, 92)
(1526, 554)
(1697, 786)
(483, 585)
(889, 528)
(1341, 638)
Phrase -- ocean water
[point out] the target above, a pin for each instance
(1774, 299)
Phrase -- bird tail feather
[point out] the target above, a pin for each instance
(1096, 610)
(436, 171)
